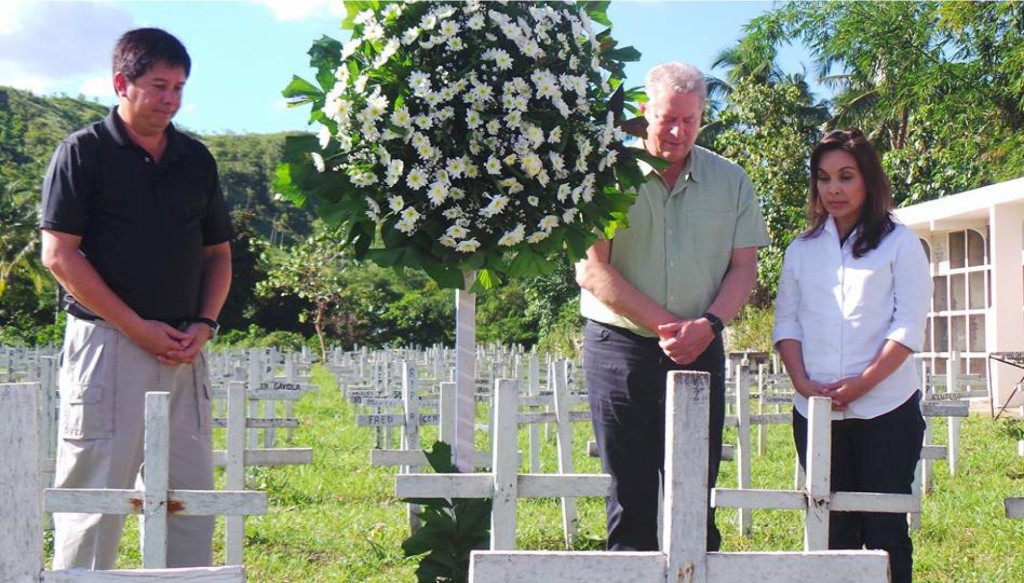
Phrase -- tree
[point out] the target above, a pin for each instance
(312, 270)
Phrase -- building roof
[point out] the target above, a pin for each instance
(962, 210)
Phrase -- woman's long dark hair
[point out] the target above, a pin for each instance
(876, 215)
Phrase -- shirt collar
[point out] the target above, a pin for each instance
(831, 229)
(693, 168)
(115, 127)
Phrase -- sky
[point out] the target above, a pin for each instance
(245, 52)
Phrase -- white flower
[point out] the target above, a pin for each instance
(493, 165)
(493, 126)
(394, 173)
(502, 60)
(473, 119)
(362, 178)
(555, 136)
(416, 179)
(538, 237)
(447, 241)
(420, 83)
(396, 203)
(455, 43)
(437, 193)
(497, 204)
(548, 222)
(457, 193)
(449, 28)
(349, 48)
(476, 22)
(392, 10)
(324, 137)
(456, 166)
(513, 237)
(531, 164)
(401, 118)
(557, 162)
(373, 31)
(569, 215)
(428, 21)
(318, 161)
(423, 122)
(533, 200)
(410, 35)
(468, 246)
(457, 232)
(363, 17)
(563, 192)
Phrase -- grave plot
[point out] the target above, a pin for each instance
(21, 557)
(685, 557)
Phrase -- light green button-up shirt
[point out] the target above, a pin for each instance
(677, 247)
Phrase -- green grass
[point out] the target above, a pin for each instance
(338, 520)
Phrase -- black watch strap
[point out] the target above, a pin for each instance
(716, 322)
(213, 324)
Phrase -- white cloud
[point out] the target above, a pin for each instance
(303, 9)
(100, 86)
(44, 44)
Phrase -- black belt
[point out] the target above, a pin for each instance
(82, 313)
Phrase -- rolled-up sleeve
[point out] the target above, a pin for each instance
(787, 303)
(912, 290)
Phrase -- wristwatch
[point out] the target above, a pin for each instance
(715, 321)
(213, 324)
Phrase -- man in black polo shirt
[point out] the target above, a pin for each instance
(135, 228)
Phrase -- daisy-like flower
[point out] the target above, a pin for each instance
(457, 193)
(473, 119)
(493, 165)
(449, 28)
(456, 166)
(429, 21)
(392, 11)
(437, 193)
(476, 22)
(410, 35)
(569, 216)
(502, 60)
(420, 83)
(318, 162)
(423, 122)
(324, 137)
(416, 179)
(394, 172)
(531, 164)
(447, 241)
(532, 200)
(497, 204)
(401, 118)
(396, 203)
(467, 246)
(563, 192)
(513, 237)
(457, 232)
(548, 222)
(538, 237)
(348, 49)
(556, 135)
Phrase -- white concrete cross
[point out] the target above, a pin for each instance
(686, 557)
(504, 484)
(818, 499)
(21, 553)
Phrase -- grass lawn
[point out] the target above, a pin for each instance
(338, 520)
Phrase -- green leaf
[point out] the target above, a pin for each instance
(626, 54)
(598, 11)
(300, 91)
(529, 263)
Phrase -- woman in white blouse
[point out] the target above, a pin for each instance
(851, 308)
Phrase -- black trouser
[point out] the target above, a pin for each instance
(626, 377)
(873, 455)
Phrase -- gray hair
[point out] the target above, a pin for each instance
(678, 77)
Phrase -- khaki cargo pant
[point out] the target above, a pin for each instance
(103, 380)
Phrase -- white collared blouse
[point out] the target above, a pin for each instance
(842, 310)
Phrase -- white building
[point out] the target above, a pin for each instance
(975, 244)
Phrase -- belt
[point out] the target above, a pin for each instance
(82, 313)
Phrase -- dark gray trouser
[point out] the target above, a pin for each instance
(626, 377)
(873, 455)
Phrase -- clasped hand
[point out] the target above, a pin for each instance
(842, 392)
(170, 345)
(685, 340)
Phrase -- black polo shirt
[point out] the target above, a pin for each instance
(143, 224)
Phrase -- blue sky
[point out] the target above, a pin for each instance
(245, 52)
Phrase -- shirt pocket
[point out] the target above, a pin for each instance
(86, 384)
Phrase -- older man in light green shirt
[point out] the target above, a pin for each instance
(657, 296)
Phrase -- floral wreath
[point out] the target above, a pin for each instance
(463, 137)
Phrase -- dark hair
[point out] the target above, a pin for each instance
(138, 50)
(876, 215)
